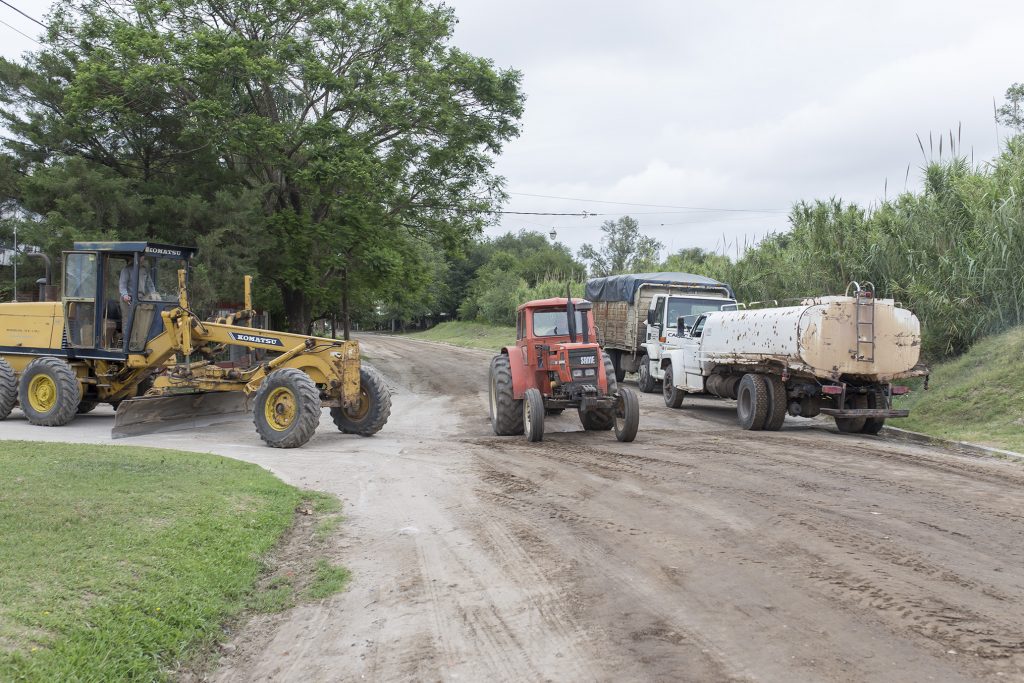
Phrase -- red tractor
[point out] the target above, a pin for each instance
(558, 364)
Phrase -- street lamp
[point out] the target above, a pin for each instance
(553, 234)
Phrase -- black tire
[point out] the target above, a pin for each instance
(287, 408)
(853, 425)
(610, 374)
(8, 389)
(505, 411)
(752, 402)
(778, 403)
(876, 399)
(86, 407)
(374, 408)
(673, 396)
(596, 420)
(627, 415)
(553, 412)
(533, 414)
(645, 380)
(49, 392)
(618, 370)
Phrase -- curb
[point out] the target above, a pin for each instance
(897, 434)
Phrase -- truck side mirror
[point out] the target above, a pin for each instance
(650, 316)
(680, 326)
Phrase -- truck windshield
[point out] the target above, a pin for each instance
(689, 309)
(554, 323)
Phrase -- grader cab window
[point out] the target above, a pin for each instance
(81, 272)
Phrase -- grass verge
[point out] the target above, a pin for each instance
(978, 397)
(470, 335)
(120, 563)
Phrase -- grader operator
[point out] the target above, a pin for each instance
(123, 333)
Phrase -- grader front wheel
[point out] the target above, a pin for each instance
(371, 413)
(287, 408)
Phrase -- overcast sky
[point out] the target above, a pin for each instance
(746, 105)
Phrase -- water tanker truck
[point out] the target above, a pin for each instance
(831, 355)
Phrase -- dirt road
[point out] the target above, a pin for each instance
(698, 552)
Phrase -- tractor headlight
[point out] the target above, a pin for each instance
(577, 373)
(590, 372)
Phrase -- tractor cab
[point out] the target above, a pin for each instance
(114, 293)
(557, 338)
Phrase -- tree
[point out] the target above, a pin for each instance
(1011, 114)
(352, 129)
(623, 249)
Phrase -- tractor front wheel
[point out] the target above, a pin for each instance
(373, 410)
(49, 392)
(287, 408)
(533, 414)
(505, 411)
(8, 389)
(627, 415)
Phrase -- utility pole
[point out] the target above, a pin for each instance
(14, 260)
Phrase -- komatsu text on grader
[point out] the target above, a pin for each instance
(123, 333)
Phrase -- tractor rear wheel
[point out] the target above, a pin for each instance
(48, 392)
(853, 425)
(619, 371)
(533, 414)
(627, 415)
(505, 411)
(8, 389)
(611, 375)
(645, 380)
(752, 402)
(876, 399)
(673, 396)
(596, 420)
(777, 403)
(287, 408)
(373, 410)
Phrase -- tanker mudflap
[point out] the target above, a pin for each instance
(156, 414)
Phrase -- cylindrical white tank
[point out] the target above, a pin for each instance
(818, 337)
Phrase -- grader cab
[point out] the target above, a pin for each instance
(123, 333)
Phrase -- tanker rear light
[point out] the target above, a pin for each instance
(831, 389)
(898, 390)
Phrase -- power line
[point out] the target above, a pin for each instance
(654, 206)
(24, 15)
(17, 31)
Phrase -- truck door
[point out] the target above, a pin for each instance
(691, 345)
(81, 278)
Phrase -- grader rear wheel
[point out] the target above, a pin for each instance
(48, 392)
(287, 408)
(8, 389)
(373, 410)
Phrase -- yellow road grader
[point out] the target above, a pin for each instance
(123, 333)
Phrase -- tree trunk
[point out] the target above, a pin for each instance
(296, 307)
(346, 319)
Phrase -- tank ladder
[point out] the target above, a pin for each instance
(864, 307)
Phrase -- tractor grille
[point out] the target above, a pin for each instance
(584, 358)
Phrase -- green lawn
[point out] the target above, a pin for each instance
(119, 563)
(978, 397)
(471, 335)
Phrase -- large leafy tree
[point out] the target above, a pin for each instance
(623, 249)
(319, 141)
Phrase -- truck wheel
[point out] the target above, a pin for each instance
(86, 407)
(752, 402)
(287, 408)
(627, 415)
(673, 396)
(645, 382)
(48, 392)
(876, 399)
(8, 389)
(533, 414)
(374, 409)
(611, 375)
(778, 403)
(506, 412)
(853, 425)
(620, 372)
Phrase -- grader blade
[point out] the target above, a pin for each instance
(155, 414)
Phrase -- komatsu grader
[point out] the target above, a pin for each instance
(123, 333)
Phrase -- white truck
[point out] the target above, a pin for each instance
(832, 355)
(637, 314)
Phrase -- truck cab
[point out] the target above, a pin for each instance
(670, 319)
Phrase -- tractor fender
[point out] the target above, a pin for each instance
(521, 375)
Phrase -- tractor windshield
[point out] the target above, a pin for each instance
(554, 323)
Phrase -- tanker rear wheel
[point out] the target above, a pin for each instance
(876, 399)
(853, 425)
(777, 403)
(752, 402)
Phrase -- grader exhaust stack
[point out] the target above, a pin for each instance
(124, 322)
